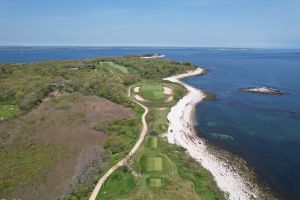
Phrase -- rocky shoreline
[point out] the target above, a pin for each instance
(259, 188)
(232, 174)
(181, 132)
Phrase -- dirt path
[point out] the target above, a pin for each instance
(124, 160)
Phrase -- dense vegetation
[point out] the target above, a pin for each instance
(30, 161)
(122, 136)
(25, 85)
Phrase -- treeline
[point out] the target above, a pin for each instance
(26, 84)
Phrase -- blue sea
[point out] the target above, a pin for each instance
(264, 130)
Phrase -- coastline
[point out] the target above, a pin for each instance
(181, 132)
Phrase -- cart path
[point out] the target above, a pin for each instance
(124, 160)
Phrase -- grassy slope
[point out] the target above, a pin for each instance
(121, 182)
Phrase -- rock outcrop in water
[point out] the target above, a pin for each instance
(264, 90)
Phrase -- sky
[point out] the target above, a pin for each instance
(197, 23)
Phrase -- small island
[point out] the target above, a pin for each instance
(264, 90)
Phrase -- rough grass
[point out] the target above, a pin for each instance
(189, 169)
(118, 184)
(152, 92)
(66, 121)
(9, 111)
(113, 67)
(158, 121)
(23, 163)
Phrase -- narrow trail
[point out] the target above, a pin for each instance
(124, 160)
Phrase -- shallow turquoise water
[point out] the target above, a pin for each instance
(263, 129)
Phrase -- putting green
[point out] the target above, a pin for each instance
(154, 164)
(155, 182)
(152, 92)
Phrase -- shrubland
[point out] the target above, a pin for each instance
(27, 84)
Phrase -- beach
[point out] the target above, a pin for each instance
(181, 132)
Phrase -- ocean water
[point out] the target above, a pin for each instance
(265, 130)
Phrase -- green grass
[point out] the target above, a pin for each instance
(157, 120)
(189, 169)
(153, 142)
(162, 179)
(8, 111)
(179, 166)
(118, 184)
(155, 182)
(113, 67)
(151, 163)
(122, 133)
(154, 164)
(152, 92)
(163, 164)
(23, 163)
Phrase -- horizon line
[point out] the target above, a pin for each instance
(143, 46)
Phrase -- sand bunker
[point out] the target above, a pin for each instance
(170, 98)
(163, 108)
(137, 89)
(167, 91)
(139, 98)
